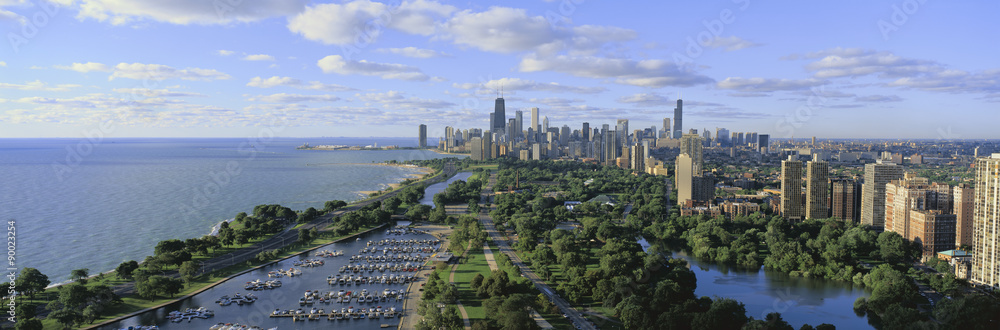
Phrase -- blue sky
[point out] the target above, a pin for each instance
(235, 68)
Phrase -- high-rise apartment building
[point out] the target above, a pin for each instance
(585, 132)
(986, 224)
(691, 144)
(913, 193)
(422, 136)
(845, 198)
(791, 190)
(873, 192)
(668, 132)
(722, 136)
(638, 158)
(683, 178)
(817, 174)
(477, 148)
(933, 229)
(963, 198)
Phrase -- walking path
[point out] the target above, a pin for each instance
(489, 257)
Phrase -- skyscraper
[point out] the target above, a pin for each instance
(791, 189)
(684, 176)
(844, 197)
(722, 136)
(912, 193)
(763, 143)
(873, 192)
(964, 199)
(477, 148)
(986, 224)
(668, 132)
(545, 124)
(622, 128)
(678, 111)
(692, 146)
(611, 147)
(422, 136)
(500, 121)
(564, 135)
(585, 132)
(816, 190)
(518, 124)
(534, 120)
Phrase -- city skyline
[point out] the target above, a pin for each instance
(379, 69)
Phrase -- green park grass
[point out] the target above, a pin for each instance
(474, 263)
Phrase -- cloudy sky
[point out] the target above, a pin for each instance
(851, 69)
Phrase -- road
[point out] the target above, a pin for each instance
(487, 221)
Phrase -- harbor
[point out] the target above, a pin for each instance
(357, 283)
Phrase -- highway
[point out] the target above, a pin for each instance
(487, 221)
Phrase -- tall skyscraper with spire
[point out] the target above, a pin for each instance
(677, 119)
(500, 115)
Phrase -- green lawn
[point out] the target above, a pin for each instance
(475, 263)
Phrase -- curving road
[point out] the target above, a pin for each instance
(487, 221)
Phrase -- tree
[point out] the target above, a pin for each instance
(168, 246)
(477, 281)
(79, 275)
(188, 270)
(724, 313)
(971, 312)
(892, 247)
(66, 316)
(26, 310)
(304, 236)
(333, 205)
(28, 324)
(31, 281)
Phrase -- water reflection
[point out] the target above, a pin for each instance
(799, 300)
(436, 188)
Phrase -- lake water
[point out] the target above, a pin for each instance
(799, 300)
(94, 205)
(439, 187)
(286, 297)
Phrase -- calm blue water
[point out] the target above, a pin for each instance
(84, 205)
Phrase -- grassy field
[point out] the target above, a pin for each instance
(475, 263)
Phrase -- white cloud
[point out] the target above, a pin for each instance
(517, 84)
(413, 52)
(183, 12)
(292, 98)
(645, 100)
(6, 15)
(223, 52)
(3, 64)
(396, 100)
(878, 98)
(38, 85)
(146, 92)
(508, 30)
(554, 101)
(647, 73)
(759, 85)
(337, 64)
(275, 81)
(853, 62)
(141, 71)
(258, 57)
(85, 67)
(363, 20)
(731, 43)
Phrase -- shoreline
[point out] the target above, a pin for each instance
(424, 171)
(446, 153)
(227, 278)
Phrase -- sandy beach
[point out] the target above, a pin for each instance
(424, 171)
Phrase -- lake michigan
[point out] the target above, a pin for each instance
(78, 204)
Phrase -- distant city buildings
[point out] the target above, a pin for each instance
(678, 113)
